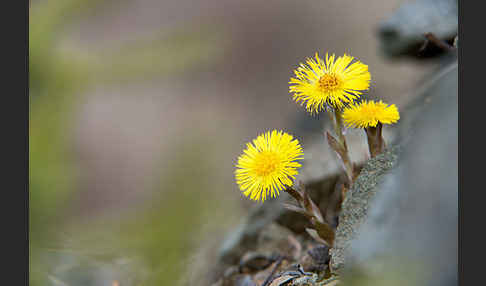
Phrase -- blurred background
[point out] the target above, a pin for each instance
(140, 108)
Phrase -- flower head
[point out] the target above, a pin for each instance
(369, 113)
(332, 82)
(268, 165)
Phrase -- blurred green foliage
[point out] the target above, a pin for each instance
(158, 237)
(56, 78)
(386, 271)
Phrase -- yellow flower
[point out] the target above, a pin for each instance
(369, 113)
(331, 82)
(268, 165)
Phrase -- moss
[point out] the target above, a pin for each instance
(355, 206)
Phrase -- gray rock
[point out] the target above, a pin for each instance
(442, 83)
(411, 226)
(316, 259)
(254, 261)
(245, 236)
(403, 32)
(245, 281)
(357, 204)
(237, 280)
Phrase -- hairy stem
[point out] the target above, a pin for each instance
(376, 143)
(344, 154)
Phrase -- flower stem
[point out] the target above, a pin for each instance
(343, 152)
(339, 128)
(321, 230)
(376, 143)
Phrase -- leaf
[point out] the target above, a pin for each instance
(325, 231)
(295, 194)
(296, 209)
(314, 235)
(334, 144)
(312, 208)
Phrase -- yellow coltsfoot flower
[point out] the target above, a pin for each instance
(369, 114)
(332, 82)
(268, 165)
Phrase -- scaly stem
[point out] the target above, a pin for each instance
(339, 128)
(376, 143)
(321, 231)
(344, 154)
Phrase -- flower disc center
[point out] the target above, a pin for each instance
(329, 82)
(370, 112)
(266, 163)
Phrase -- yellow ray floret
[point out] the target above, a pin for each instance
(332, 82)
(369, 113)
(268, 165)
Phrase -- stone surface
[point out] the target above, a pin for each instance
(403, 31)
(411, 227)
(238, 280)
(274, 240)
(245, 236)
(316, 259)
(358, 202)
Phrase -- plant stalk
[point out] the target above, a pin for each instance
(344, 154)
(376, 143)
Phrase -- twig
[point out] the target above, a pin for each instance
(269, 278)
(431, 38)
